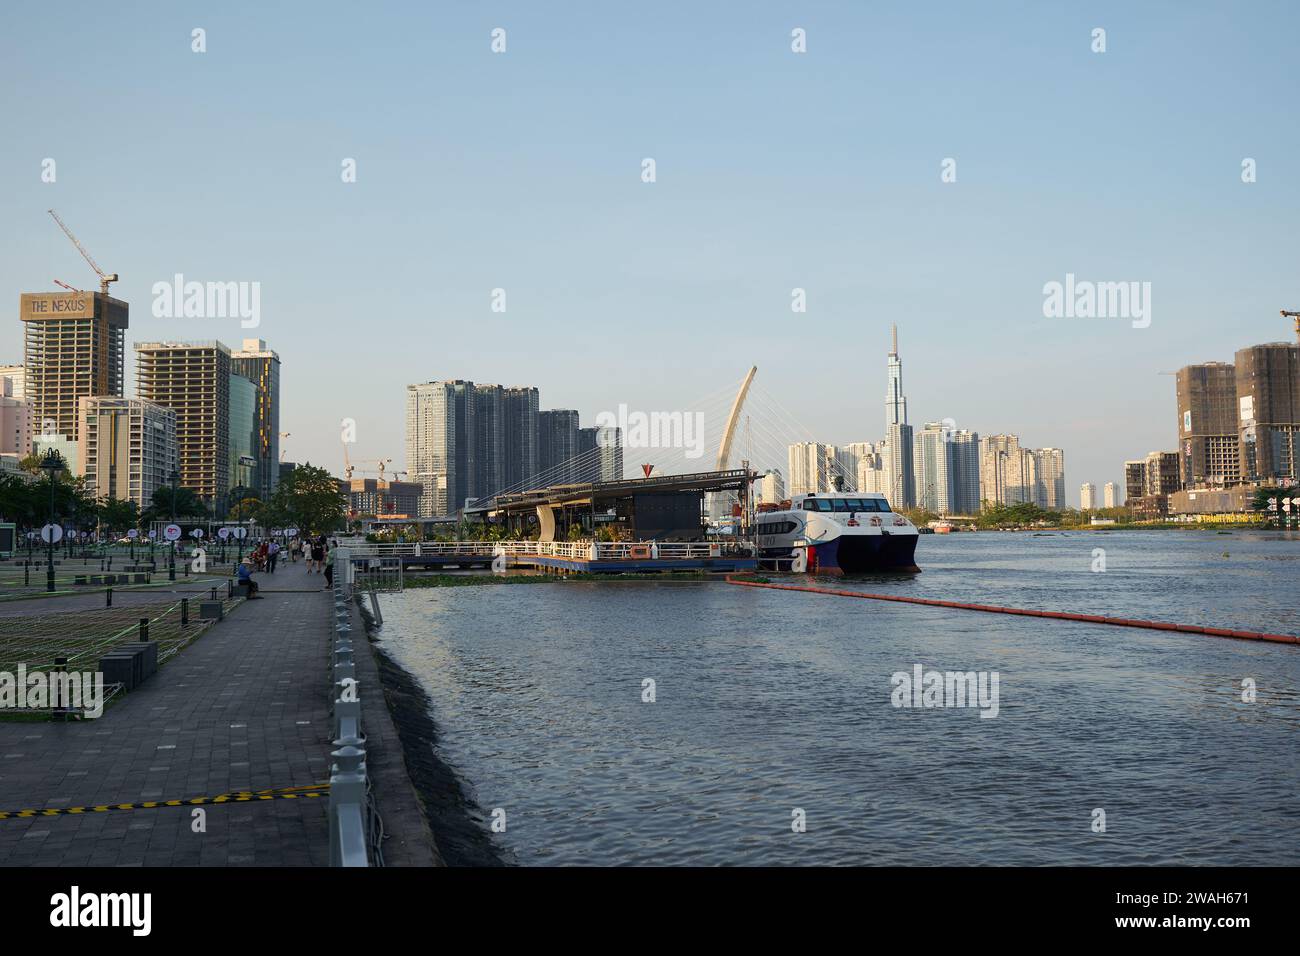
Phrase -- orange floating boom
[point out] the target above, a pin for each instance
(1026, 612)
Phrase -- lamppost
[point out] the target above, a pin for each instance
(239, 492)
(52, 463)
(171, 545)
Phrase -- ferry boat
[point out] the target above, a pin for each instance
(836, 533)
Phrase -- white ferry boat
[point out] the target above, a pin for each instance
(836, 533)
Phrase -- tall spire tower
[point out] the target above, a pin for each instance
(895, 402)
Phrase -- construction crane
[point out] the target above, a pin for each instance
(347, 463)
(104, 278)
(1295, 317)
(66, 286)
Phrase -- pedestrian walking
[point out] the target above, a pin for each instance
(329, 567)
(317, 555)
(272, 556)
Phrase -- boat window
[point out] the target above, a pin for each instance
(812, 504)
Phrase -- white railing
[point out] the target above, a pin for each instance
(348, 802)
(570, 550)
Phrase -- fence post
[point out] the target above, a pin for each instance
(144, 629)
(108, 596)
(185, 612)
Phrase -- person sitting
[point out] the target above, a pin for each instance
(246, 577)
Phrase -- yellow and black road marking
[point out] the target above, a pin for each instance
(235, 796)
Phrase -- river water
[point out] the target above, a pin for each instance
(773, 708)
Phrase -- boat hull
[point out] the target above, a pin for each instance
(864, 554)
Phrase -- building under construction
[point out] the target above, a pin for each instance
(1268, 401)
(74, 346)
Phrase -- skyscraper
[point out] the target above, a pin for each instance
(245, 465)
(895, 402)
(557, 446)
(1047, 477)
(261, 366)
(600, 454)
(1207, 425)
(15, 421)
(489, 441)
(1004, 471)
(932, 468)
(193, 378)
(1108, 495)
(1268, 405)
(74, 346)
(965, 479)
(431, 445)
(1087, 496)
(898, 462)
(521, 408)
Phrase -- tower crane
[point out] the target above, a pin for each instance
(104, 278)
(1295, 317)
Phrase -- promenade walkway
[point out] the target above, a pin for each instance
(244, 707)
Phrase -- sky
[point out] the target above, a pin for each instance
(774, 170)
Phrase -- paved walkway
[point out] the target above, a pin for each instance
(244, 707)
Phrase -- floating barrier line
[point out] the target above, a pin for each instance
(1027, 612)
(235, 796)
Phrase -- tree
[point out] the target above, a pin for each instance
(118, 515)
(188, 504)
(307, 498)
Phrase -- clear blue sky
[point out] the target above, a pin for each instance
(775, 170)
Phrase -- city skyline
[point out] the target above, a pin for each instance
(769, 165)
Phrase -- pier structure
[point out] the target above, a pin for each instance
(649, 524)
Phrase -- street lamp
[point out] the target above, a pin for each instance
(171, 551)
(52, 462)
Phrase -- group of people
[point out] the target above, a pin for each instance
(318, 552)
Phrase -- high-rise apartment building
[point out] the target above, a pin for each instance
(521, 410)
(1135, 478)
(193, 379)
(1268, 409)
(600, 453)
(1160, 474)
(1108, 495)
(557, 446)
(964, 481)
(74, 346)
(431, 445)
(1087, 496)
(1004, 471)
(261, 366)
(1207, 425)
(896, 459)
(770, 489)
(1047, 477)
(127, 448)
(489, 441)
(932, 468)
